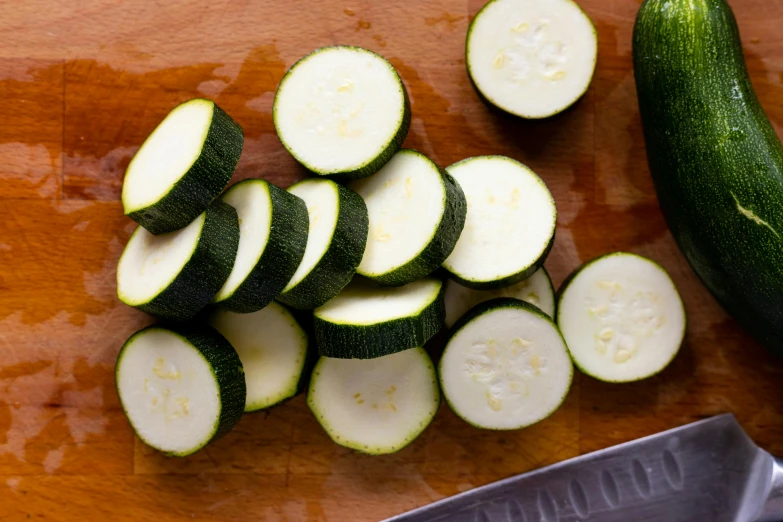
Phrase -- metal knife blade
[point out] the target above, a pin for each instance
(708, 471)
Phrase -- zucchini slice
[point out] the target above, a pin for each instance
(375, 406)
(174, 275)
(180, 387)
(182, 166)
(416, 211)
(622, 317)
(342, 111)
(273, 229)
(531, 58)
(505, 366)
(536, 290)
(273, 349)
(510, 226)
(335, 243)
(366, 320)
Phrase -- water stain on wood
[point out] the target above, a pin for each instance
(31, 134)
(448, 19)
(100, 138)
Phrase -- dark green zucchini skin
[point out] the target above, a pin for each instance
(715, 159)
(338, 264)
(281, 256)
(203, 182)
(348, 341)
(206, 272)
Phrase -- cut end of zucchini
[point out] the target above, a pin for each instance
(177, 396)
(506, 366)
(510, 223)
(622, 318)
(375, 406)
(531, 58)
(536, 290)
(323, 208)
(273, 349)
(342, 111)
(149, 263)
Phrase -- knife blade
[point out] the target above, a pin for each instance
(707, 471)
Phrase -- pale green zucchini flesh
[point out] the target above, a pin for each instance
(376, 406)
(182, 166)
(416, 213)
(505, 366)
(174, 275)
(180, 387)
(342, 111)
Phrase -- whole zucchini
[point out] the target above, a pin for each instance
(715, 159)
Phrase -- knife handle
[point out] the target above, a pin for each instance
(773, 507)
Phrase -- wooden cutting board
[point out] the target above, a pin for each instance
(83, 83)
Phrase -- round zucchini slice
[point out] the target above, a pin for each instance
(510, 226)
(182, 166)
(273, 228)
(505, 366)
(622, 317)
(273, 349)
(180, 387)
(335, 243)
(416, 212)
(174, 275)
(531, 58)
(342, 111)
(376, 406)
(366, 320)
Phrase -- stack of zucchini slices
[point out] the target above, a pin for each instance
(359, 244)
(185, 382)
(360, 250)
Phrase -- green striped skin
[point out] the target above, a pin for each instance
(348, 341)
(226, 367)
(388, 151)
(338, 264)
(281, 255)
(202, 183)
(441, 245)
(206, 271)
(715, 159)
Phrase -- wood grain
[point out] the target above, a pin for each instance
(82, 84)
